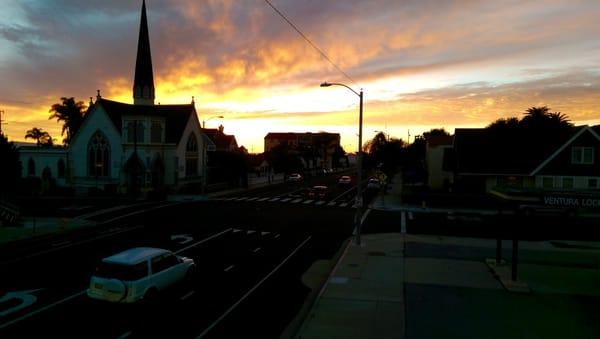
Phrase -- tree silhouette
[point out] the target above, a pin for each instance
(10, 169)
(41, 137)
(70, 113)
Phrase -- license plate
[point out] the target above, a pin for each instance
(98, 286)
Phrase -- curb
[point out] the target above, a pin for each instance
(294, 327)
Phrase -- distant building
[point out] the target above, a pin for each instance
(438, 151)
(123, 147)
(569, 162)
(223, 142)
(317, 150)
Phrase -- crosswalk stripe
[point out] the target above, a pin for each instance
(263, 199)
(309, 201)
(319, 203)
(332, 203)
(252, 199)
(296, 201)
(286, 199)
(344, 204)
(274, 199)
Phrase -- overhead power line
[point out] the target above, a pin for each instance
(309, 41)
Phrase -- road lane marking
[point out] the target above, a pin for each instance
(364, 216)
(251, 231)
(264, 233)
(216, 322)
(344, 204)
(33, 255)
(286, 199)
(277, 235)
(332, 203)
(235, 230)
(263, 199)
(256, 249)
(187, 295)
(403, 222)
(62, 243)
(309, 201)
(125, 335)
(229, 268)
(296, 201)
(274, 199)
(252, 199)
(410, 215)
(202, 241)
(42, 309)
(319, 203)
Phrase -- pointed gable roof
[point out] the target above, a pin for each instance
(176, 117)
(143, 84)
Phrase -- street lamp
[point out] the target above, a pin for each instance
(359, 200)
(216, 116)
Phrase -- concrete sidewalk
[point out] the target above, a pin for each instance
(397, 285)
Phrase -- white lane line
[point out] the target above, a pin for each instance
(39, 310)
(403, 222)
(332, 203)
(72, 244)
(241, 199)
(286, 199)
(274, 199)
(125, 335)
(139, 212)
(209, 328)
(62, 243)
(365, 216)
(309, 201)
(229, 268)
(252, 199)
(256, 249)
(189, 294)
(277, 235)
(320, 202)
(296, 201)
(344, 204)
(203, 241)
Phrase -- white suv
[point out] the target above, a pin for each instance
(138, 273)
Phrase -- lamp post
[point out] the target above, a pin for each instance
(359, 200)
(216, 116)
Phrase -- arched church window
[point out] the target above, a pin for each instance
(191, 156)
(192, 144)
(156, 132)
(98, 155)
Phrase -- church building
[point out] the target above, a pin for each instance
(128, 148)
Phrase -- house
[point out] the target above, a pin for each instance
(438, 153)
(223, 142)
(566, 161)
(123, 147)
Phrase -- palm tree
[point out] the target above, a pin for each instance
(71, 114)
(41, 137)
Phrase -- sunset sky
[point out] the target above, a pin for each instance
(422, 63)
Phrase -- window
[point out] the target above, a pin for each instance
(582, 155)
(30, 167)
(567, 183)
(135, 131)
(163, 262)
(121, 271)
(61, 168)
(192, 144)
(191, 156)
(592, 183)
(98, 156)
(156, 132)
(548, 182)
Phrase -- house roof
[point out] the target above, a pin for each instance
(221, 140)
(518, 152)
(176, 116)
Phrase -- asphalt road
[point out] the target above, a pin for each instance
(250, 257)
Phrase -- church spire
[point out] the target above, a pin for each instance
(143, 83)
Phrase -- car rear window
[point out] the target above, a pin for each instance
(122, 272)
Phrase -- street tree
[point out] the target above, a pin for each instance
(70, 113)
(41, 137)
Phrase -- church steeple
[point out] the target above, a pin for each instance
(143, 83)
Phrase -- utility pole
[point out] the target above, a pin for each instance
(1, 114)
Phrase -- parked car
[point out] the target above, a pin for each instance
(373, 183)
(138, 274)
(345, 180)
(318, 192)
(294, 177)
